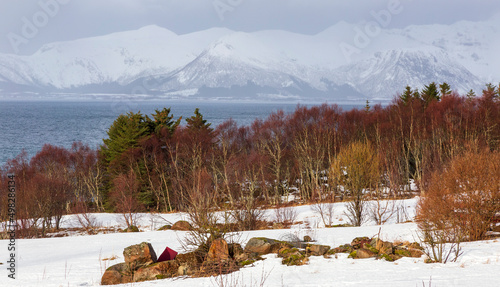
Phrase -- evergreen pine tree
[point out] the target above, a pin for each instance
(491, 91)
(124, 133)
(416, 94)
(407, 95)
(197, 122)
(471, 94)
(430, 93)
(445, 89)
(163, 119)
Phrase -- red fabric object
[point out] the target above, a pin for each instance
(168, 254)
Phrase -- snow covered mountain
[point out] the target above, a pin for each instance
(219, 63)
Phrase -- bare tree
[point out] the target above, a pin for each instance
(326, 211)
(124, 194)
(356, 169)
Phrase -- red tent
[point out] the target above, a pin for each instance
(168, 254)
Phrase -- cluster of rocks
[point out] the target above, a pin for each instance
(364, 247)
(141, 263)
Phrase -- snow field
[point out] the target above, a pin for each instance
(78, 260)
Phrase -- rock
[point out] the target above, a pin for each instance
(183, 270)
(318, 250)
(131, 228)
(416, 253)
(384, 247)
(247, 258)
(307, 238)
(235, 250)
(117, 274)
(191, 258)
(165, 227)
(292, 256)
(161, 270)
(140, 255)
(346, 248)
(286, 252)
(363, 253)
(359, 242)
(218, 252)
(237, 253)
(263, 245)
(389, 257)
(415, 245)
(188, 262)
(182, 225)
(402, 252)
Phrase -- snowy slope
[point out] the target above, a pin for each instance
(78, 260)
(264, 62)
(119, 57)
(390, 70)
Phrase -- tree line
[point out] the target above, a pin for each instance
(157, 163)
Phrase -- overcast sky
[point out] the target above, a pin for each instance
(26, 25)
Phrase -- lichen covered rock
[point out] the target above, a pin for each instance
(139, 255)
(117, 274)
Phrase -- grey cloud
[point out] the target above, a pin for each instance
(86, 18)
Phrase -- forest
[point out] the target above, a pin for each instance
(433, 143)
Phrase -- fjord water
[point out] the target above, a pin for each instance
(29, 125)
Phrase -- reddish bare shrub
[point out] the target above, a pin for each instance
(464, 197)
(286, 216)
(124, 195)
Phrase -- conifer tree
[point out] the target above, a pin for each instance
(197, 122)
(445, 89)
(407, 95)
(124, 133)
(430, 93)
(471, 94)
(163, 119)
(416, 94)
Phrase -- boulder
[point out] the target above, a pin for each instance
(402, 252)
(117, 274)
(346, 248)
(384, 247)
(218, 252)
(363, 253)
(359, 242)
(318, 250)
(235, 251)
(182, 225)
(139, 255)
(188, 262)
(416, 253)
(259, 245)
(165, 227)
(131, 228)
(415, 245)
(292, 256)
(161, 270)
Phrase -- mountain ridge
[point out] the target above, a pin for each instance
(279, 64)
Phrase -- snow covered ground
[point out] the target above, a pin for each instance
(78, 260)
